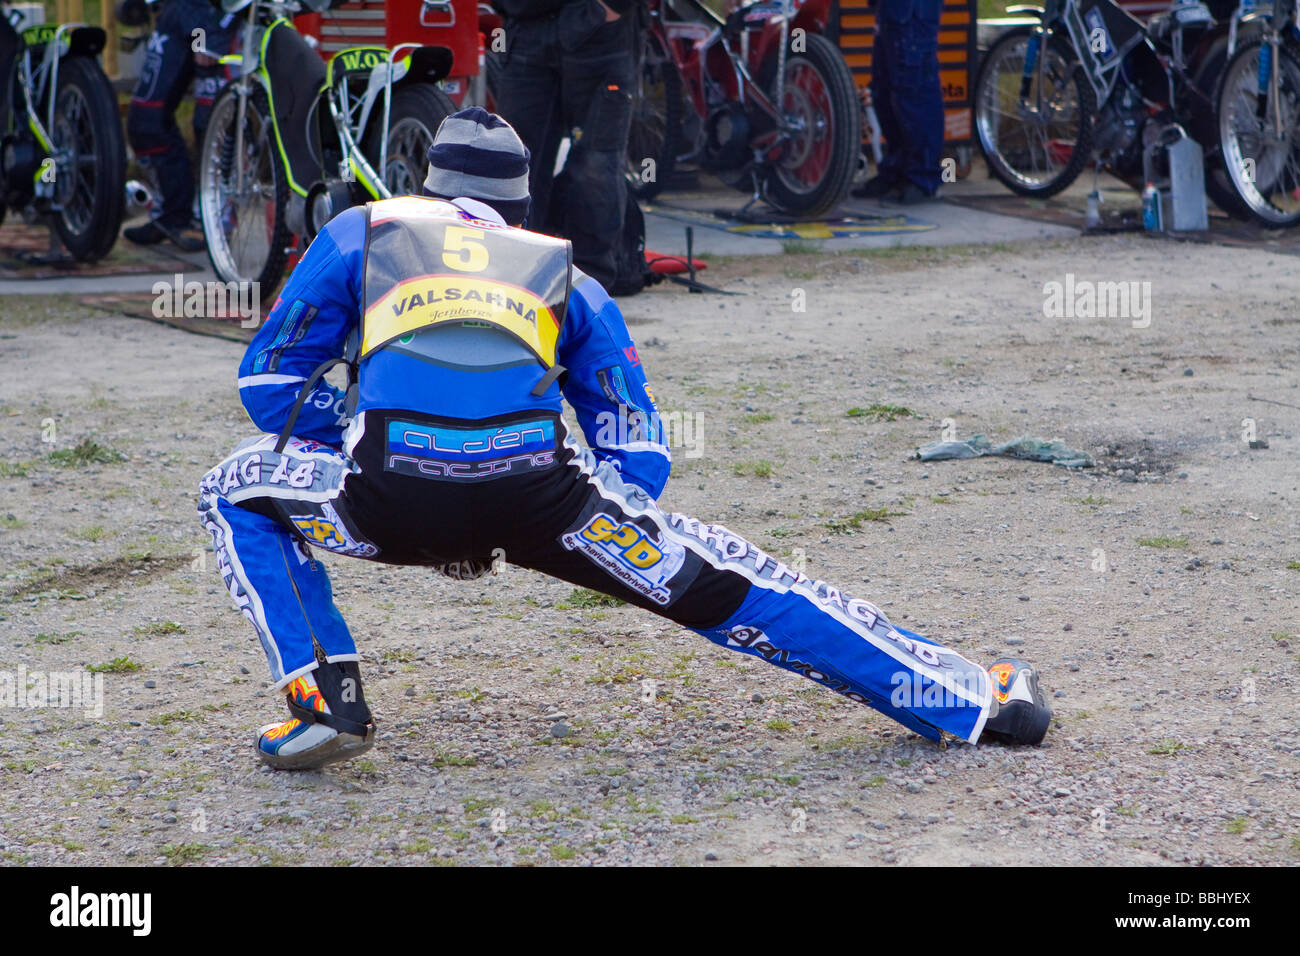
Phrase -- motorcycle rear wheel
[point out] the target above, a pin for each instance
(89, 185)
(657, 115)
(816, 168)
(417, 113)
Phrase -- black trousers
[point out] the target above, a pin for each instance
(573, 71)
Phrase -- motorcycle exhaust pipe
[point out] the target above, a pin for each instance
(139, 198)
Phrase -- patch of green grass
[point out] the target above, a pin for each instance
(9, 522)
(95, 532)
(1293, 565)
(177, 716)
(877, 781)
(585, 598)
(759, 469)
(14, 469)
(559, 851)
(757, 418)
(118, 665)
(1237, 825)
(1163, 542)
(799, 247)
(682, 818)
(85, 452)
(178, 854)
(1092, 501)
(881, 412)
(778, 725)
(158, 629)
(1167, 746)
(452, 760)
(943, 499)
(46, 638)
(854, 521)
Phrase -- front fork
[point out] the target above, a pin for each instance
(1267, 81)
(1035, 64)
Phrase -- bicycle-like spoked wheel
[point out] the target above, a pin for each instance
(1259, 138)
(243, 192)
(1035, 131)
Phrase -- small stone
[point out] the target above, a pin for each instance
(710, 856)
(559, 729)
(1015, 641)
(409, 692)
(151, 684)
(756, 698)
(1060, 792)
(1068, 627)
(1188, 372)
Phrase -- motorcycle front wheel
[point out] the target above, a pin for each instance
(243, 193)
(1033, 149)
(813, 173)
(1261, 163)
(90, 171)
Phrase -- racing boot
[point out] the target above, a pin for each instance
(1019, 714)
(330, 722)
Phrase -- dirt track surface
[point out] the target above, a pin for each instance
(1172, 671)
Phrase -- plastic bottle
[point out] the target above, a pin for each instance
(1151, 209)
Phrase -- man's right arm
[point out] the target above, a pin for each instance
(309, 324)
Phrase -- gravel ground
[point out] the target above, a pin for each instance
(1157, 591)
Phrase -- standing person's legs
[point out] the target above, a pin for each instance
(882, 99)
(918, 98)
(598, 76)
(616, 540)
(528, 98)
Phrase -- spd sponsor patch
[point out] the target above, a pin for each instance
(627, 552)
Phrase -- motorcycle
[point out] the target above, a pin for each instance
(761, 99)
(62, 155)
(1091, 82)
(292, 140)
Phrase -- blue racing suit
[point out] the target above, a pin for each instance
(457, 458)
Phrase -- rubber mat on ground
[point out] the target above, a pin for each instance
(768, 225)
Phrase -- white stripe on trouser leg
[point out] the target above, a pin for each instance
(240, 576)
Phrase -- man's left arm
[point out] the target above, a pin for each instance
(606, 385)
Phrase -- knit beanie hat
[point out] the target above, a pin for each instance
(478, 155)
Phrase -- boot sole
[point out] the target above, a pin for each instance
(335, 750)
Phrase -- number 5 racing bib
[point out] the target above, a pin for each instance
(426, 270)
